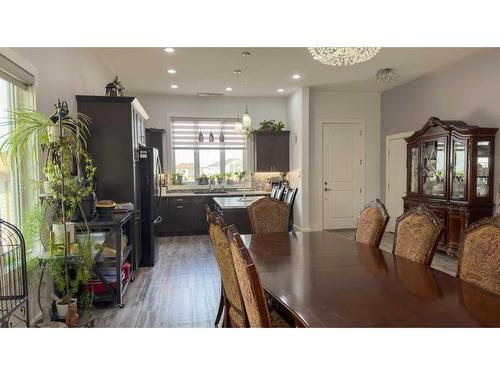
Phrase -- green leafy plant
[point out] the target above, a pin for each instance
(240, 175)
(69, 171)
(177, 178)
(267, 126)
(203, 180)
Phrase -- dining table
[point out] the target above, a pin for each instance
(325, 280)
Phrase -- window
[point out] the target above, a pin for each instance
(194, 158)
(17, 194)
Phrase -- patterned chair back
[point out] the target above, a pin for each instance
(372, 220)
(417, 235)
(249, 280)
(268, 215)
(479, 259)
(235, 312)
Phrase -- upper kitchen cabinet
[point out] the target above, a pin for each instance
(272, 151)
(116, 133)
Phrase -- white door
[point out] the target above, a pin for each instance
(395, 176)
(343, 174)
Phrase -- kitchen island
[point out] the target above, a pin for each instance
(234, 210)
(183, 212)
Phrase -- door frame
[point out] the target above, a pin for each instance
(362, 180)
(389, 138)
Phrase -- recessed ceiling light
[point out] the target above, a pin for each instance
(296, 76)
(280, 90)
(169, 50)
(174, 86)
(172, 71)
(229, 89)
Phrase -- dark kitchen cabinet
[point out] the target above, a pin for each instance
(272, 151)
(178, 214)
(198, 216)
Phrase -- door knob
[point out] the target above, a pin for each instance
(326, 189)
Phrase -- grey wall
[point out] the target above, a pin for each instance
(467, 91)
(63, 73)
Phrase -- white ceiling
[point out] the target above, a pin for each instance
(144, 70)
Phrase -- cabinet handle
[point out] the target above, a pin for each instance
(179, 199)
(180, 206)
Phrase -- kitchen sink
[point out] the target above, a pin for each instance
(215, 191)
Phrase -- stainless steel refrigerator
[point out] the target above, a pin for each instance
(150, 196)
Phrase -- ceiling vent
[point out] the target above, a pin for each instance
(209, 94)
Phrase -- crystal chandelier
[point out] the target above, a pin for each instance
(387, 75)
(343, 55)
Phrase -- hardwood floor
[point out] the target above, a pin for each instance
(183, 288)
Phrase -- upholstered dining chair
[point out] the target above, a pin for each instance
(479, 258)
(372, 220)
(254, 298)
(231, 300)
(268, 215)
(417, 235)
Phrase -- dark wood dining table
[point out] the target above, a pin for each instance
(326, 280)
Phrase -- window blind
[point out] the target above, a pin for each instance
(15, 74)
(185, 134)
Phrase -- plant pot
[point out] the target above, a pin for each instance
(46, 187)
(62, 309)
(54, 132)
(220, 180)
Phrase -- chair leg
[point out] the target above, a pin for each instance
(221, 306)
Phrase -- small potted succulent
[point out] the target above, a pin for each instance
(220, 178)
(240, 175)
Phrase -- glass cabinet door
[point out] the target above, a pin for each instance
(483, 169)
(459, 163)
(434, 167)
(414, 170)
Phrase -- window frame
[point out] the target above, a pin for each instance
(171, 166)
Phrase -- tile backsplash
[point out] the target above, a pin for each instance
(262, 180)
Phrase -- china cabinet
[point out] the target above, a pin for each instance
(450, 169)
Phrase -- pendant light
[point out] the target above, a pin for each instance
(221, 136)
(200, 137)
(246, 120)
(211, 136)
(238, 126)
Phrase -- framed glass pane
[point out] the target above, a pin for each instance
(458, 169)
(8, 177)
(414, 170)
(483, 168)
(434, 156)
(209, 162)
(233, 161)
(184, 163)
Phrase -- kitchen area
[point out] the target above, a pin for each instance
(141, 169)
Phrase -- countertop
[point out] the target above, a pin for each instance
(228, 203)
(173, 193)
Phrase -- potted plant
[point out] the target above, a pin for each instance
(68, 178)
(177, 178)
(240, 175)
(267, 126)
(220, 178)
(229, 179)
(203, 180)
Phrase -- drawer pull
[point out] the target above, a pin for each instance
(180, 206)
(180, 200)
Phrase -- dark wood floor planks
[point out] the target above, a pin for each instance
(181, 290)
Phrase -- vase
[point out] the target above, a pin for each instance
(62, 309)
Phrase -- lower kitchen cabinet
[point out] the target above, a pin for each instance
(183, 215)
